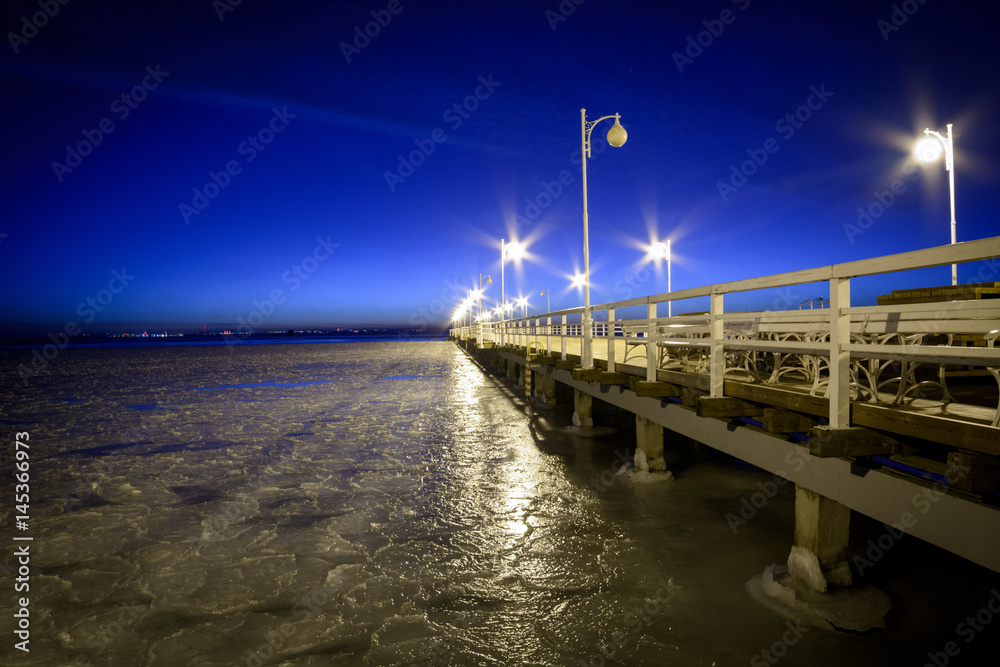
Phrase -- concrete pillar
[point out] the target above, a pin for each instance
(511, 369)
(582, 408)
(819, 549)
(649, 438)
(546, 387)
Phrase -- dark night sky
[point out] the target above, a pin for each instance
(403, 253)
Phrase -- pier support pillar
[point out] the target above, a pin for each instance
(547, 388)
(819, 550)
(582, 408)
(649, 438)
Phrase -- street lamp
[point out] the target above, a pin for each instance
(616, 137)
(548, 299)
(929, 149)
(516, 251)
(523, 302)
(662, 251)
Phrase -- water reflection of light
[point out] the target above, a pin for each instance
(467, 384)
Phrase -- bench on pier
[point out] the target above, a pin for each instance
(887, 346)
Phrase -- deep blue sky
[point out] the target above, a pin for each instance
(403, 253)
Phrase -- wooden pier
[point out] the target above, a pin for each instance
(892, 408)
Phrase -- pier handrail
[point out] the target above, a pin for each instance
(834, 342)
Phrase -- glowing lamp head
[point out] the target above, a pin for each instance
(617, 136)
(660, 251)
(579, 280)
(514, 250)
(928, 149)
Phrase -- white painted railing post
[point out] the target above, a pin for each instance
(548, 335)
(587, 349)
(717, 360)
(651, 336)
(563, 332)
(611, 340)
(840, 356)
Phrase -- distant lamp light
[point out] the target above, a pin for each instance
(579, 280)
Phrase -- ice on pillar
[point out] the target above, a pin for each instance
(649, 440)
(819, 549)
(582, 408)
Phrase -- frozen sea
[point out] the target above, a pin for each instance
(390, 503)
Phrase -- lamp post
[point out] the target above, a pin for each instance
(489, 281)
(929, 149)
(514, 249)
(616, 137)
(523, 302)
(548, 299)
(663, 252)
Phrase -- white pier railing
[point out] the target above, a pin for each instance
(838, 349)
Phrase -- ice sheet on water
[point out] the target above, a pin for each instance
(98, 534)
(250, 639)
(404, 640)
(344, 578)
(854, 609)
(96, 581)
(107, 636)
